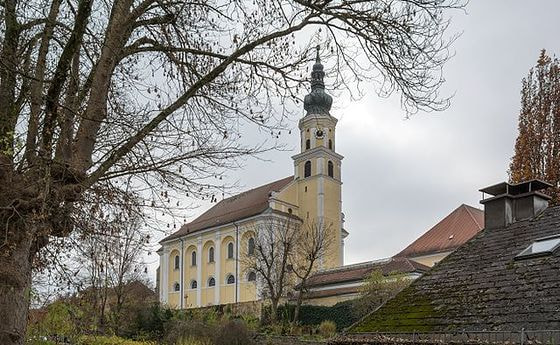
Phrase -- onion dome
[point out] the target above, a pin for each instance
(317, 101)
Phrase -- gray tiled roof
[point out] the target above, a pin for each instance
(481, 286)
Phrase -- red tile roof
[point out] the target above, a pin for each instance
(359, 272)
(447, 235)
(237, 207)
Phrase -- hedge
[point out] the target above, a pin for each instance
(342, 314)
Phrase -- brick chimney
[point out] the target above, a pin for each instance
(510, 202)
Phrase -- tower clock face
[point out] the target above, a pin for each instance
(319, 133)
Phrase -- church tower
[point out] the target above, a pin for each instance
(318, 168)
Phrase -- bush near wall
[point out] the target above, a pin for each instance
(343, 314)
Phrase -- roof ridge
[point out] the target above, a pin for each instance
(255, 188)
(468, 208)
(352, 266)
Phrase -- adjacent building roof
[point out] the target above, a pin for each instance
(447, 235)
(358, 272)
(237, 207)
(482, 286)
(346, 280)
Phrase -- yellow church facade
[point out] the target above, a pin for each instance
(204, 262)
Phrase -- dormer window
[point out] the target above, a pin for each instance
(541, 247)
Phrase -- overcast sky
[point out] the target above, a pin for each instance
(400, 177)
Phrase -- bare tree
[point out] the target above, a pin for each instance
(311, 250)
(275, 243)
(107, 259)
(151, 95)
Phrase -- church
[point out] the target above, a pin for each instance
(202, 263)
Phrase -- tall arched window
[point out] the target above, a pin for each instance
(330, 169)
(251, 277)
(251, 246)
(230, 250)
(211, 282)
(211, 254)
(193, 284)
(230, 279)
(330, 144)
(307, 169)
(307, 144)
(177, 262)
(193, 258)
(176, 287)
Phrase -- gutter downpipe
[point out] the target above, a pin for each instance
(181, 275)
(236, 260)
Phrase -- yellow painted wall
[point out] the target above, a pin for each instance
(430, 260)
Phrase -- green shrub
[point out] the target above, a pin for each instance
(343, 314)
(149, 323)
(233, 332)
(327, 328)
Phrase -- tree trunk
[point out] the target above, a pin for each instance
(298, 306)
(16, 256)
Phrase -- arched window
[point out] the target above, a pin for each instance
(330, 169)
(211, 254)
(251, 277)
(307, 169)
(251, 246)
(330, 144)
(307, 144)
(177, 262)
(176, 287)
(211, 282)
(230, 250)
(193, 284)
(193, 258)
(230, 279)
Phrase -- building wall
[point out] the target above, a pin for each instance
(203, 269)
(331, 300)
(430, 260)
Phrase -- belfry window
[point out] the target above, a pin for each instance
(193, 258)
(211, 255)
(307, 144)
(251, 246)
(230, 250)
(330, 169)
(330, 144)
(307, 169)
(177, 262)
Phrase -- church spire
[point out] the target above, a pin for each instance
(317, 101)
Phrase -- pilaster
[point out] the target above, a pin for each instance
(199, 271)
(165, 276)
(218, 270)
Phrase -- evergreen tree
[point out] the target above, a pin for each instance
(537, 149)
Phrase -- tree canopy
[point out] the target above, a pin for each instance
(537, 148)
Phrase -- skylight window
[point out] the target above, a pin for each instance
(541, 247)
